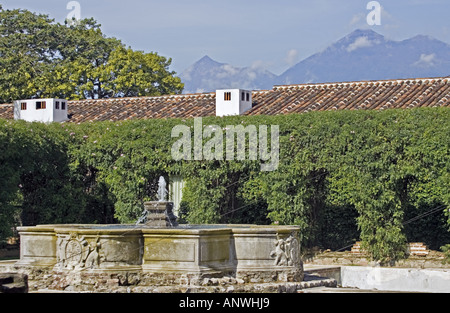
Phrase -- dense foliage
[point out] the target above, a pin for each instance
(43, 59)
(382, 177)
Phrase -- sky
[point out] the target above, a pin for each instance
(274, 35)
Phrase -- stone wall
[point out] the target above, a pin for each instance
(85, 281)
(396, 279)
(433, 259)
(13, 283)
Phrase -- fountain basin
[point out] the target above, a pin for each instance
(250, 252)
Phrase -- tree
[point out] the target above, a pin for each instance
(40, 58)
(27, 52)
(135, 73)
(84, 52)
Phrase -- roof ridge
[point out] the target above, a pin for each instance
(149, 97)
(187, 95)
(370, 82)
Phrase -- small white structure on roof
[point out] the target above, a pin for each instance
(233, 101)
(41, 110)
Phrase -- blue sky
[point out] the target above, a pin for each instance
(261, 33)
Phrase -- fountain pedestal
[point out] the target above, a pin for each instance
(160, 214)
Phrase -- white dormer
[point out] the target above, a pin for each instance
(233, 102)
(41, 110)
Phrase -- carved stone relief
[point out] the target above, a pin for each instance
(76, 252)
(287, 251)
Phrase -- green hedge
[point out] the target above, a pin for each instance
(343, 176)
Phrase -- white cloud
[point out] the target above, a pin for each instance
(360, 42)
(252, 75)
(426, 60)
(357, 18)
(227, 71)
(291, 57)
(260, 65)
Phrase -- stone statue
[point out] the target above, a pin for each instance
(287, 251)
(281, 258)
(162, 190)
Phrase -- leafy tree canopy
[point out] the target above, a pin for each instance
(40, 58)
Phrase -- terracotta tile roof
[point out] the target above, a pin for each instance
(374, 95)
(183, 106)
(7, 111)
(364, 95)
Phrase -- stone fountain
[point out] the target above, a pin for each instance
(159, 213)
(158, 252)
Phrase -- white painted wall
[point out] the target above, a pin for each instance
(396, 279)
(47, 115)
(236, 106)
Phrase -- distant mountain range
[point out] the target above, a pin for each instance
(362, 55)
(208, 75)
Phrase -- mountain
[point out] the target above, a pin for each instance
(208, 75)
(361, 55)
(367, 55)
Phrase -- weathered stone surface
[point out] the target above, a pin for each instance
(434, 259)
(159, 214)
(105, 258)
(396, 279)
(13, 283)
(92, 282)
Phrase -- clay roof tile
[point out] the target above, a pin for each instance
(283, 99)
